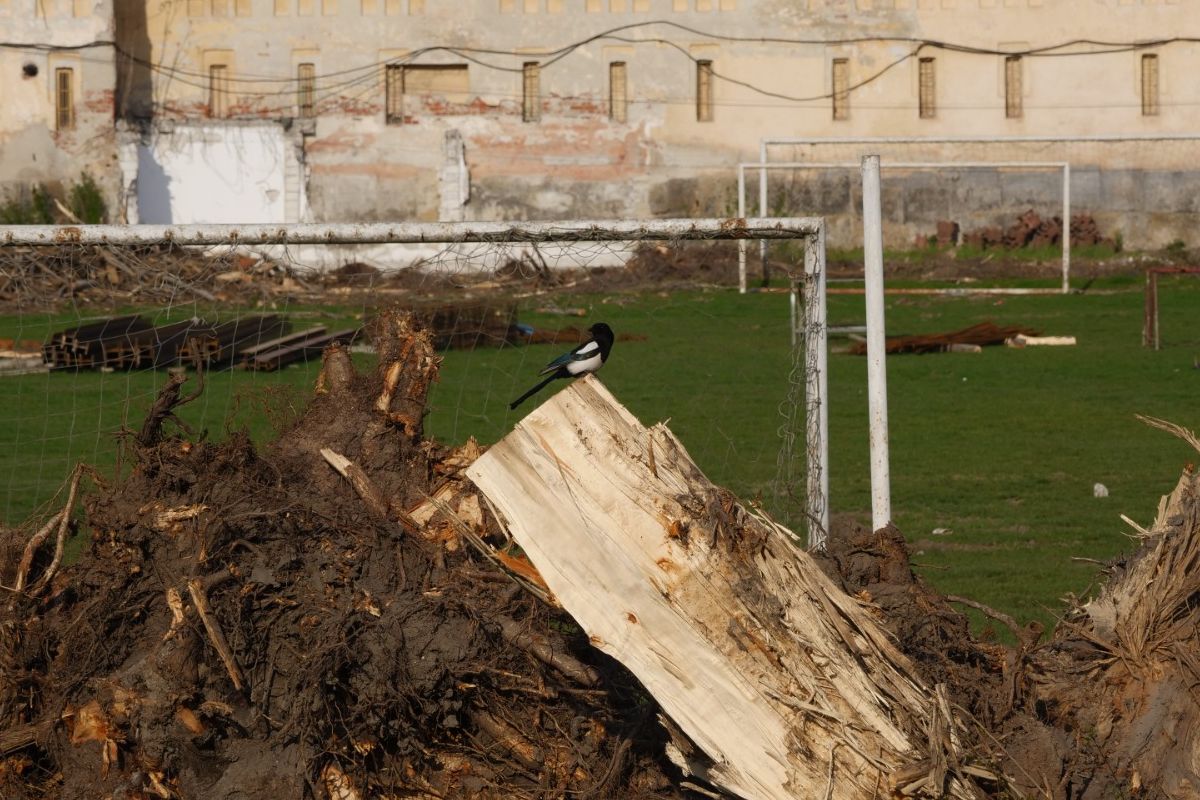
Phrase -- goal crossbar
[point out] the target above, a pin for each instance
(414, 232)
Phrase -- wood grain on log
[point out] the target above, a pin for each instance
(777, 675)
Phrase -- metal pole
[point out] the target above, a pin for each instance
(1154, 293)
(741, 242)
(794, 307)
(816, 391)
(1066, 234)
(762, 202)
(411, 232)
(881, 498)
(1108, 138)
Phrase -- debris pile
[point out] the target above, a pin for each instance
(254, 624)
(1029, 230)
(341, 614)
(979, 335)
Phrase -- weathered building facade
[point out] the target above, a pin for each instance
(544, 109)
(56, 94)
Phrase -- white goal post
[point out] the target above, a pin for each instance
(763, 167)
(810, 230)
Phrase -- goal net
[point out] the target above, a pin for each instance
(95, 320)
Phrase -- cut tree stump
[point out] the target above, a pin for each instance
(785, 683)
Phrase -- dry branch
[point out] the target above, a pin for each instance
(368, 491)
(200, 601)
(541, 648)
(63, 520)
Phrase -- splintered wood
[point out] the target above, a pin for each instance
(786, 684)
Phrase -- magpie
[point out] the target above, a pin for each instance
(588, 357)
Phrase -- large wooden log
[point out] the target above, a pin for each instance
(784, 682)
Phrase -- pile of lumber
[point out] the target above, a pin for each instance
(258, 342)
(219, 347)
(301, 346)
(985, 333)
(116, 343)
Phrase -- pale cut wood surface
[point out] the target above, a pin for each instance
(779, 677)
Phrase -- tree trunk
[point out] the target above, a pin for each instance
(785, 683)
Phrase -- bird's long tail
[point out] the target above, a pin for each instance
(531, 392)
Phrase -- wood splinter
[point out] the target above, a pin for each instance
(200, 601)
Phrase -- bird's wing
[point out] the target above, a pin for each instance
(581, 353)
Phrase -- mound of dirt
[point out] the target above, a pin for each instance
(244, 625)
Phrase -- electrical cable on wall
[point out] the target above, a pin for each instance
(369, 77)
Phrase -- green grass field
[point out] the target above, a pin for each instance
(1001, 447)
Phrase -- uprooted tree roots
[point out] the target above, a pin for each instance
(245, 624)
(305, 621)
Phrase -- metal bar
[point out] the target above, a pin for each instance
(881, 499)
(741, 242)
(762, 207)
(904, 164)
(1148, 312)
(816, 343)
(1066, 229)
(412, 233)
(1153, 292)
(1108, 137)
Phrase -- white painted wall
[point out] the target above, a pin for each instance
(214, 173)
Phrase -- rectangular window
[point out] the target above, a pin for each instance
(1149, 85)
(306, 89)
(394, 91)
(218, 90)
(927, 88)
(449, 82)
(841, 88)
(64, 98)
(618, 97)
(531, 101)
(1013, 106)
(704, 91)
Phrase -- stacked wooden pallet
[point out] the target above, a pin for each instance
(300, 346)
(220, 347)
(259, 342)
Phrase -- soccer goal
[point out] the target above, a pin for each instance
(764, 168)
(96, 320)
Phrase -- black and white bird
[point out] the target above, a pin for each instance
(588, 357)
